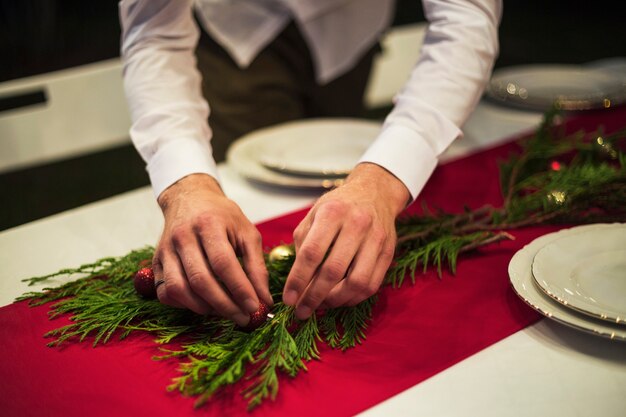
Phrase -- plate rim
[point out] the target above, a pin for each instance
(561, 296)
(283, 164)
(616, 97)
(252, 169)
(538, 300)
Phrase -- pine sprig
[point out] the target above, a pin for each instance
(329, 328)
(220, 361)
(354, 321)
(114, 270)
(307, 337)
(344, 327)
(282, 354)
(436, 251)
(102, 310)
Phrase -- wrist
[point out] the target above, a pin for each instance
(187, 187)
(394, 192)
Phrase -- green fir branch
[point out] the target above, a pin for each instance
(354, 321)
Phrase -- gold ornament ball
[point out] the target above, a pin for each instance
(280, 252)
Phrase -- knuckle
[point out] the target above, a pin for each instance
(204, 221)
(313, 299)
(174, 290)
(196, 280)
(359, 285)
(297, 281)
(333, 208)
(219, 262)
(311, 253)
(178, 236)
(361, 219)
(255, 237)
(298, 234)
(372, 289)
(387, 252)
(170, 292)
(378, 236)
(333, 270)
(163, 297)
(162, 294)
(156, 262)
(239, 290)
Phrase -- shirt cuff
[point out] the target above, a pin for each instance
(177, 159)
(401, 151)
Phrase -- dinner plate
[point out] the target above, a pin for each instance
(523, 283)
(614, 65)
(586, 272)
(569, 87)
(311, 153)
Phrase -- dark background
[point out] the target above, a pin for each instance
(39, 36)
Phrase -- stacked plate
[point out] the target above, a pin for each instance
(598, 84)
(312, 153)
(577, 277)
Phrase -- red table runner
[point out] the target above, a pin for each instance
(417, 330)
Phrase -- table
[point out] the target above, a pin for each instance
(545, 369)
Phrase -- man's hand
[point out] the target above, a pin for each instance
(204, 232)
(346, 242)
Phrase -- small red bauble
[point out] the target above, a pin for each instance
(144, 283)
(259, 317)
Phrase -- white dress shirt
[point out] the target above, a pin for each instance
(170, 128)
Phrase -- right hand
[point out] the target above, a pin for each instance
(204, 232)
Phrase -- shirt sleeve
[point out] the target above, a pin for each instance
(163, 88)
(455, 63)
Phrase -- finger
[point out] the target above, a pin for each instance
(311, 254)
(203, 284)
(334, 267)
(176, 290)
(378, 276)
(301, 231)
(226, 268)
(157, 269)
(254, 265)
(361, 280)
(216, 296)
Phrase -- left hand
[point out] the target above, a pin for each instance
(346, 242)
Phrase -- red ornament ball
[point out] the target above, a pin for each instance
(555, 166)
(259, 317)
(144, 283)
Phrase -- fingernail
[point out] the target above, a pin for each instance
(250, 305)
(290, 297)
(303, 312)
(241, 319)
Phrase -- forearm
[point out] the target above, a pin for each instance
(162, 85)
(456, 59)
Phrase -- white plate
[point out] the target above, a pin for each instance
(614, 65)
(520, 273)
(570, 87)
(586, 272)
(312, 153)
